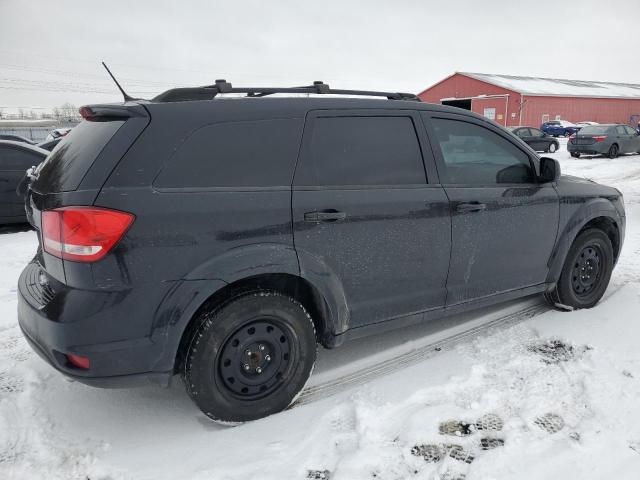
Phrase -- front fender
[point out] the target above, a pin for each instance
(594, 208)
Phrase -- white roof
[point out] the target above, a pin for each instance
(558, 86)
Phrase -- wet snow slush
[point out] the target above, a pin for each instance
(513, 391)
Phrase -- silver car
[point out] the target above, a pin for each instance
(610, 140)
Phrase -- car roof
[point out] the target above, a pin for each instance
(299, 106)
(25, 146)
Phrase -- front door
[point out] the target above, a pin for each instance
(504, 223)
(365, 217)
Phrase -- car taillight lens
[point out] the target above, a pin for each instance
(83, 234)
(600, 138)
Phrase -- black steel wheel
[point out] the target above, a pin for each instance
(250, 357)
(613, 151)
(255, 358)
(586, 271)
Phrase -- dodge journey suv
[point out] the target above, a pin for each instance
(224, 237)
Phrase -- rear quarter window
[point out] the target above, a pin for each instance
(71, 159)
(257, 153)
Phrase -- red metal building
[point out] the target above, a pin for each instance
(512, 101)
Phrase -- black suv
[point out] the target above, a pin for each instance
(224, 238)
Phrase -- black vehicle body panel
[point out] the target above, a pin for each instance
(398, 257)
(15, 159)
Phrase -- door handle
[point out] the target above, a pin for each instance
(324, 216)
(471, 207)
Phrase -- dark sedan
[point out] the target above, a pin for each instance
(536, 139)
(16, 138)
(15, 159)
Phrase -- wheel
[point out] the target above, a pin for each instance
(586, 271)
(552, 148)
(575, 154)
(251, 357)
(613, 151)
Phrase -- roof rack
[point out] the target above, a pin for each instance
(209, 92)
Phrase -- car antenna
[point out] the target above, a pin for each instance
(127, 98)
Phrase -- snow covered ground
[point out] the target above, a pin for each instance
(531, 393)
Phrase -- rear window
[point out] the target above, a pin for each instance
(68, 163)
(593, 130)
(260, 153)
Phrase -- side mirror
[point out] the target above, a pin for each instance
(549, 170)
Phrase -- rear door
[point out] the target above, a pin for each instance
(634, 139)
(623, 139)
(14, 162)
(367, 216)
(504, 224)
(538, 141)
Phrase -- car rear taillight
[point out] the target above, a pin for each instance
(572, 138)
(77, 361)
(83, 234)
(600, 138)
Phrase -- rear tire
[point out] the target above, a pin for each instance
(613, 151)
(575, 154)
(586, 272)
(251, 357)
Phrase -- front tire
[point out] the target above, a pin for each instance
(251, 357)
(575, 154)
(552, 148)
(586, 271)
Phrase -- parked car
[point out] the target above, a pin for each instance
(536, 139)
(58, 133)
(223, 239)
(610, 140)
(559, 128)
(16, 138)
(50, 144)
(586, 124)
(15, 159)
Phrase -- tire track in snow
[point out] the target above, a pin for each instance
(387, 367)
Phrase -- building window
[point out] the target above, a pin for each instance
(545, 118)
(490, 113)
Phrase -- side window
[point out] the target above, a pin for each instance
(536, 133)
(630, 131)
(259, 153)
(17, 159)
(362, 151)
(475, 155)
(523, 132)
(621, 130)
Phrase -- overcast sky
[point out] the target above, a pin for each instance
(50, 51)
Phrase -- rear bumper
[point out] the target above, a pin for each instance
(61, 322)
(598, 148)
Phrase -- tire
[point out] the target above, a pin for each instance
(251, 357)
(552, 148)
(567, 134)
(613, 151)
(575, 154)
(592, 254)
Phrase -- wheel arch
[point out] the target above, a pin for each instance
(596, 214)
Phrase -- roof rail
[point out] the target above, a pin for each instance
(209, 92)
